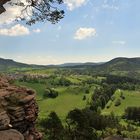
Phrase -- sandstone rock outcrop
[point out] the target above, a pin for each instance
(114, 138)
(11, 135)
(18, 112)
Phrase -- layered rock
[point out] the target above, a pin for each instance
(18, 111)
(114, 138)
(11, 135)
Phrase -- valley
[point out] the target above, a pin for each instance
(105, 92)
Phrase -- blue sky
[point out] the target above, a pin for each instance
(92, 31)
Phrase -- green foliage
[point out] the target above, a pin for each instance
(117, 102)
(131, 134)
(131, 98)
(85, 124)
(68, 98)
(109, 104)
(120, 82)
(122, 95)
(87, 91)
(53, 127)
(84, 97)
(50, 93)
(101, 96)
(64, 82)
(78, 126)
(133, 113)
(95, 121)
(59, 81)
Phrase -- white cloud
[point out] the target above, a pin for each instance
(36, 30)
(17, 30)
(83, 33)
(72, 4)
(10, 15)
(110, 7)
(120, 42)
(12, 12)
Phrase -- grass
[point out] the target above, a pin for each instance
(39, 88)
(132, 98)
(48, 71)
(71, 97)
(73, 80)
(61, 105)
(68, 99)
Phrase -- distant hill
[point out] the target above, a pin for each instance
(120, 63)
(118, 66)
(9, 63)
(6, 64)
(123, 64)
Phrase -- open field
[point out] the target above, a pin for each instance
(132, 98)
(68, 99)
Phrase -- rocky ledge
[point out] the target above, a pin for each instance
(18, 112)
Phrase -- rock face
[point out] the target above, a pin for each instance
(18, 112)
(114, 138)
(11, 135)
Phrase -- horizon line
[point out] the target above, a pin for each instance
(68, 62)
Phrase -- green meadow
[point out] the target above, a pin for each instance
(69, 98)
(132, 98)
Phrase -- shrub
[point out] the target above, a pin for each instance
(117, 102)
(113, 98)
(87, 91)
(84, 97)
(50, 93)
(132, 113)
(109, 104)
(122, 96)
(53, 127)
(64, 82)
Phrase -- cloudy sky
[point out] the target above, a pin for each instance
(92, 31)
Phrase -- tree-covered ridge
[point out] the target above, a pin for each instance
(119, 66)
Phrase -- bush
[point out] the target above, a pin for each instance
(64, 82)
(50, 93)
(84, 97)
(53, 127)
(132, 113)
(122, 96)
(113, 98)
(117, 102)
(109, 104)
(87, 91)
